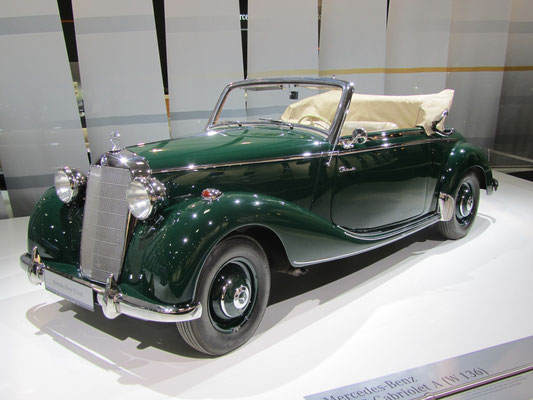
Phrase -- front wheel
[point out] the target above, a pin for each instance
(233, 289)
(466, 199)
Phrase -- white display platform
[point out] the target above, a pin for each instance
(417, 301)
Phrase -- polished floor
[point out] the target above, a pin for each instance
(417, 301)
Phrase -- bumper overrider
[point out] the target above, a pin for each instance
(112, 300)
(495, 185)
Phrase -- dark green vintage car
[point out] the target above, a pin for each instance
(288, 173)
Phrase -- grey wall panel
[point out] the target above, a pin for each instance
(276, 48)
(282, 38)
(204, 54)
(478, 38)
(120, 72)
(3, 208)
(514, 132)
(40, 128)
(418, 32)
(475, 107)
(354, 50)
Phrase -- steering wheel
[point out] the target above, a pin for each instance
(316, 120)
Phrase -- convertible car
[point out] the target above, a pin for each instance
(288, 173)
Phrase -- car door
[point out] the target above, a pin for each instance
(382, 182)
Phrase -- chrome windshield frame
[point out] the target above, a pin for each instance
(347, 89)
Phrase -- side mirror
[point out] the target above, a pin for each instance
(359, 136)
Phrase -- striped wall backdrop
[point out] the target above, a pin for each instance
(481, 48)
(120, 71)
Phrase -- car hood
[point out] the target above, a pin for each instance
(230, 145)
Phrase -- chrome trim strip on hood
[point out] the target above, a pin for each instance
(193, 167)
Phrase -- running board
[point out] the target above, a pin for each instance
(374, 241)
(395, 233)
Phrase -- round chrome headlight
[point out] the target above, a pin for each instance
(69, 183)
(143, 194)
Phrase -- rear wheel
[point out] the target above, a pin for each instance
(233, 289)
(466, 199)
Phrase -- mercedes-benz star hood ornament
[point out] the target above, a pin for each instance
(115, 138)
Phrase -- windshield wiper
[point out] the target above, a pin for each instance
(227, 123)
(278, 122)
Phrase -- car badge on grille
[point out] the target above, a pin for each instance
(115, 138)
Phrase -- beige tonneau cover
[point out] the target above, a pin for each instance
(374, 112)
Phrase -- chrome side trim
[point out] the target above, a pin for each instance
(381, 235)
(112, 300)
(329, 154)
(387, 239)
(240, 163)
(385, 146)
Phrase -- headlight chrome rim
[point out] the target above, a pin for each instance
(70, 184)
(143, 195)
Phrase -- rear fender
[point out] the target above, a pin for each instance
(465, 157)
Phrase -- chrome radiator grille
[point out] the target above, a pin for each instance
(104, 222)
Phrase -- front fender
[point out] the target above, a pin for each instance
(55, 228)
(166, 254)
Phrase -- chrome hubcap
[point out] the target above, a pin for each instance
(241, 297)
(232, 295)
(234, 299)
(467, 203)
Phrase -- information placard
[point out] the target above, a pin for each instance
(433, 378)
(70, 290)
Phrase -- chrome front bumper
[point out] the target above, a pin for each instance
(112, 300)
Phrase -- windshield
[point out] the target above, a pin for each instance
(309, 105)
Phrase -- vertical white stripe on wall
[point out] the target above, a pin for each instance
(3, 208)
(204, 54)
(40, 128)
(282, 38)
(120, 72)
(515, 119)
(353, 37)
(418, 32)
(478, 38)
